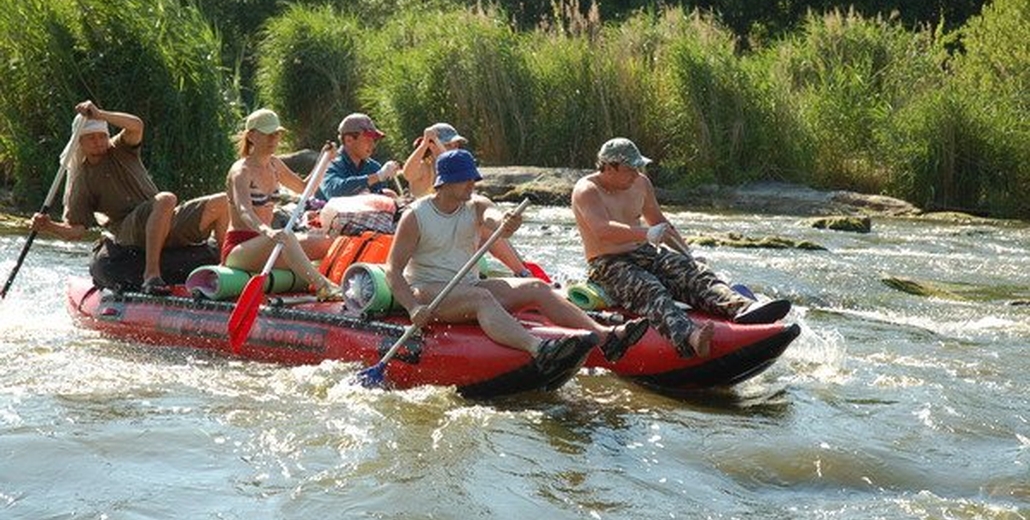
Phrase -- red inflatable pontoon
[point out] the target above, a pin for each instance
(450, 355)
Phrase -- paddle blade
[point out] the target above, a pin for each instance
(245, 314)
(537, 272)
(744, 291)
(373, 376)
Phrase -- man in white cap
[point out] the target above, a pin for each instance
(354, 171)
(441, 233)
(622, 226)
(419, 169)
(107, 177)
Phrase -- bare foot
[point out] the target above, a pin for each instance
(701, 339)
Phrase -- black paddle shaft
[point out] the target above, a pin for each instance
(21, 257)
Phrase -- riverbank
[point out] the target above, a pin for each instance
(553, 187)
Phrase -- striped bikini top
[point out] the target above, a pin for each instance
(259, 198)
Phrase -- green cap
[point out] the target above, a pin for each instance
(623, 151)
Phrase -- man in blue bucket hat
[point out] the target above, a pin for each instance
(442, 232)
(420, 172)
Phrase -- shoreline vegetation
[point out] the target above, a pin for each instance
(929, 111)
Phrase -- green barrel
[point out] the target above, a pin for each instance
(365, 289)
(218, 282)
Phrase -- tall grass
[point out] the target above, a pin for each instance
(722, 123)
(846, 77)
(39, 49)
(153, 58)
(462, 67)
(309, 72)
(845, 102)
(993, 75)
(590, 83)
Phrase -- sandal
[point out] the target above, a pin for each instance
(554, 350)
(621, 338)
(156, 286)
(559, 359)
(329, 293)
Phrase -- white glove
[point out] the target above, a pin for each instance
(657, 232)
(387, 171)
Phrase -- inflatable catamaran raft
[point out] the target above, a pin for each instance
(303, 331)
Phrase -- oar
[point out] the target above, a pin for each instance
(66, 155)
(373, 375)
(534, 269)
(253, 296)
(678, 245)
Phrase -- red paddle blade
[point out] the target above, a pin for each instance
(537, 272)
(245, 313)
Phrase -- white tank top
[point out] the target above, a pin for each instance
(445, 243)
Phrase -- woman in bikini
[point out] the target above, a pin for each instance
(253, 188)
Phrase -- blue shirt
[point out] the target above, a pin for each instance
(344, 178)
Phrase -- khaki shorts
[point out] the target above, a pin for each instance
(185, 228)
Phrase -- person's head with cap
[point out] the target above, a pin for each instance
(456, 166)
(446, 135)
(358, 135)
(263, 122)
(94, 137)
(358, 123)
(621, 151)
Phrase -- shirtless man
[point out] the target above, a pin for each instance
(622, 226)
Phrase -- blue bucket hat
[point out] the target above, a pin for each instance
(456, 166)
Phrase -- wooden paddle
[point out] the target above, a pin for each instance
(253, 296)
(373, 376)
(66, 155)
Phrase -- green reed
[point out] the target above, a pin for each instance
(846, 101)
(462, 67)
(308, 71)
(153, 58)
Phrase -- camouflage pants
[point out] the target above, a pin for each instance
(649, 280)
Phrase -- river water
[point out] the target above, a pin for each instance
(889, 405)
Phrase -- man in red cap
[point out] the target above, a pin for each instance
(354, 170)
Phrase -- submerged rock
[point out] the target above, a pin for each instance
(11, 223)
(918, 287)
(1011, 295)
(853, 224)
(737, 240)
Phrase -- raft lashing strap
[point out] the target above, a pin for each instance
(340, 320)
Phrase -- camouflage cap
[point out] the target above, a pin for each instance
(623, 151)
